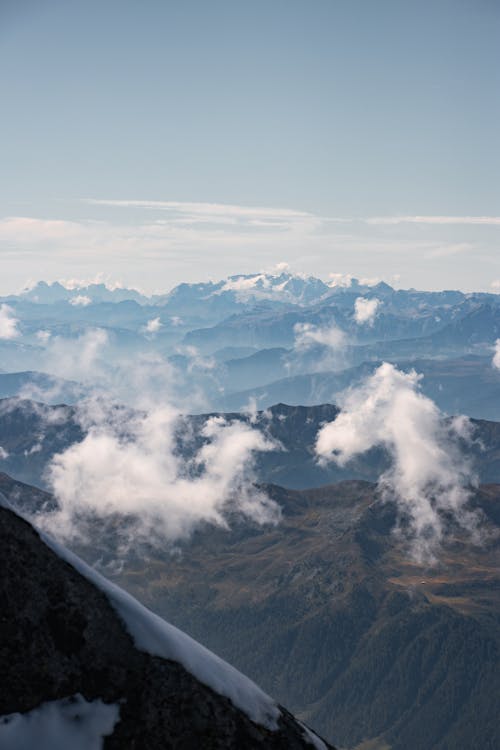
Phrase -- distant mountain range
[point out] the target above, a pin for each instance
(279, 337)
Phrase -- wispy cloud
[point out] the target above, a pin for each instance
(206, 209)
(482, 220)
(199, 239)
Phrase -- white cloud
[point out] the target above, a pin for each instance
(443, 220)
(365, 310)
(208, 210)
(3, 454)
(308, 337)
(196, 361)
(153, 325)
(496, 356)
(308, 334)
(8, 323)
(77, 358)
(340, 279)
(81, 300)
(58, 725)
(43, 336)
(237, 239)
(99, 278)
(429, 476)
(127, 464)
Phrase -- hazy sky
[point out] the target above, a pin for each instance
(157, 141)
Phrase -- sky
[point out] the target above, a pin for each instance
(156, 142)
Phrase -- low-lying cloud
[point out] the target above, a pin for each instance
(308, 334)
(496, 356)
(127, 466)
(153, 325)
(365, 310)
(308, 338)
(81, 300)
(8, 323)
(430, 477)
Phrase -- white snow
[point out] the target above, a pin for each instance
(157, 637)
(68, 724)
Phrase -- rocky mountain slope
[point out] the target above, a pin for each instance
(66, 641)
(330, 614)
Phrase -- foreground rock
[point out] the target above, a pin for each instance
(63, 637)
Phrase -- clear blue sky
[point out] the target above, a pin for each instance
(339, 109)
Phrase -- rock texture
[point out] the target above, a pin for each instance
(59, 636)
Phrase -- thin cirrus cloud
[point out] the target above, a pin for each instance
(256, 214)
(212, 212)
(196, 239)
(439, 220)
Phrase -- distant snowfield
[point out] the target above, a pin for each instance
(68, 724)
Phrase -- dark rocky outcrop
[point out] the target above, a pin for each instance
(60, 636)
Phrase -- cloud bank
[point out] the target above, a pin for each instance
(430, 476)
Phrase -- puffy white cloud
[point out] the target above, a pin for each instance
(81, 300)
(429, 476)
(365, 310)
(153, 325)
(496, 356)
(3, 454)
(127, 464)
(8, 323)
